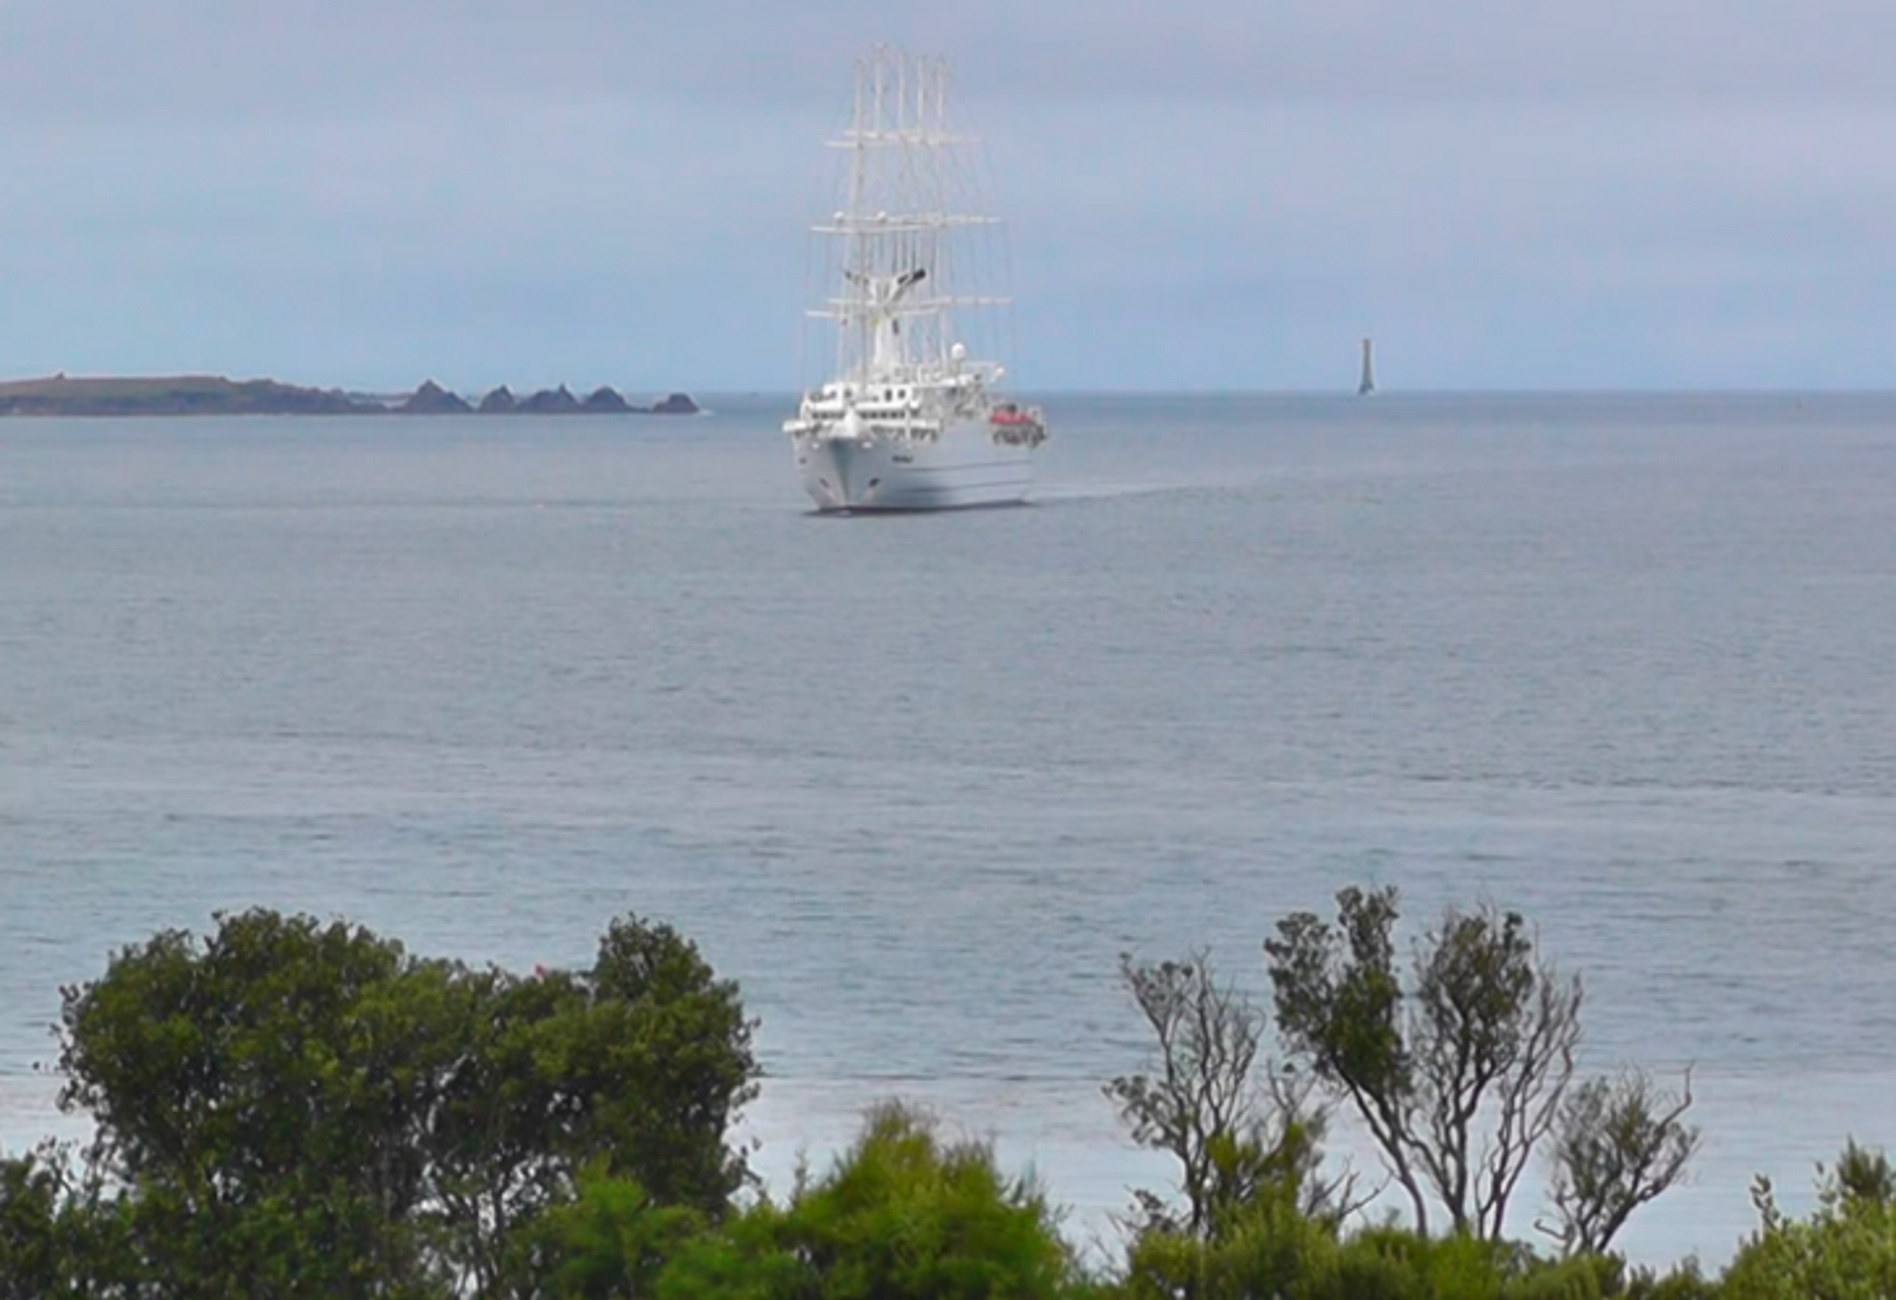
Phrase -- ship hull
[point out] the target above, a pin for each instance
(962, 468)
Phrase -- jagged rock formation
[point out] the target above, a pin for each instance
(605, 401)
(432, 399)
(551, 401)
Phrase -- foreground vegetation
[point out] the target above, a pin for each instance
(288, 1108)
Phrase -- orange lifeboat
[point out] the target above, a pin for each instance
(1012, 423)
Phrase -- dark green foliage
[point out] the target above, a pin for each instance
(250, 1094)
(301, 1244)
(1684, 1282)
(1862, 1175)
(1270, 1252)
(1839, 1256)
(1339, 1008)
(613, 1242)
(183, 1055)
(749, 1256)
(1201, 1102)
(660, 1021)
(1263, 1248)
(289, 1109)
(1846, 1250)
(33, 1253)
(296, 1108)
(1617, 1144)
(904, 1216)
(1458, 1076)
(1461, 1267)
(635, 1071)
(901, 1216)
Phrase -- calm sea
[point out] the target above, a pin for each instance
(1622, 663)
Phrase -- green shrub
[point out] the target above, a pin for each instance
(1846, 1250)
(612, 1242)
(1274, 1253)
(904, 1215)
(900, 1216)
(1265, 1248)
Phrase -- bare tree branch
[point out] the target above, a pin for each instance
(1619, 1142)
(1458, 1079)
(1200, 1103)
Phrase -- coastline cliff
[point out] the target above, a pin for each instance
(59, 395)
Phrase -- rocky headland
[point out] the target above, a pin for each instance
(432, 399)
(216, 395)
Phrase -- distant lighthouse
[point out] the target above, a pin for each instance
(1368, 384)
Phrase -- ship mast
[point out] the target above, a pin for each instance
(895, 245)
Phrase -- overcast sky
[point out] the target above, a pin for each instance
(1200, 193)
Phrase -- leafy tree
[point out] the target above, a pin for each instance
(230, 1089)
(1617, 1144)
(300, 1108)
(661, 1021)
(1862, 1175)
(33, 1253)
(634, 1070)
(500, 1142)
(1203, 1105)
(1459, 1076)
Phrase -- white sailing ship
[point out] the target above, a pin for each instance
(910, 420)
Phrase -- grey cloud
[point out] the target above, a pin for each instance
(1201, 193)
(84, 56)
